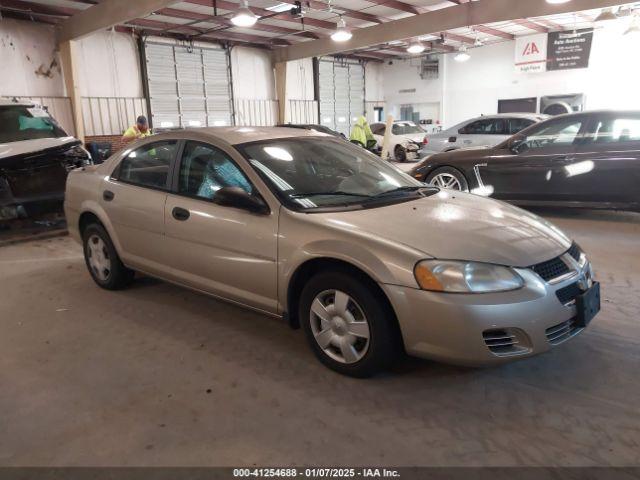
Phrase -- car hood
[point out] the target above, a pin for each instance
(459, 226)
(13, 149)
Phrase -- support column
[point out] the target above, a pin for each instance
(68, 58)
(281, 90)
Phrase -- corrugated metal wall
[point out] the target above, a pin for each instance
(188, 86)
(341, 93)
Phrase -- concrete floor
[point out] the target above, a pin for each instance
(158, 375)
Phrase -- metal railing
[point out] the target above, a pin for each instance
(111, 115)
(58, 107)
(258, 113)
(303, 111)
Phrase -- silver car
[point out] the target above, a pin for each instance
(486, 131)
(307, 227)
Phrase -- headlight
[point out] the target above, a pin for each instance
(465, 277)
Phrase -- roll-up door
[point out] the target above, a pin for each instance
(341, 93)
(188, 86)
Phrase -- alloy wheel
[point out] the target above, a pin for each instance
(339, 326)
(446, 180)
(98, 257)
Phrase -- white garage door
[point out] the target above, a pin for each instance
(188, 86)
(341, 93)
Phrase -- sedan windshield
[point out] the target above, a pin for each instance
(406, 128)
(20, 122)
(321, 172)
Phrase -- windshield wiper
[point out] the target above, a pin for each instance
(399, 189)
(337, 192)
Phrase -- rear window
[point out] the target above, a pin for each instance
(20, 122)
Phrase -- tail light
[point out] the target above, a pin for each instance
(425, 141)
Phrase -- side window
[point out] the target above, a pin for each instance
(148, 166)
(518, 124)
(617, 130)
(563, 132)
(483, 127)
(205, 169)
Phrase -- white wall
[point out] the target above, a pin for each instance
(373, 82)
(252, 72)
(29, 62)
(300, 80)
(402, 85)
(109, 65)
(473, 88)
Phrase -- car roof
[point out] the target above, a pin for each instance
(513, 115)
(239, 135)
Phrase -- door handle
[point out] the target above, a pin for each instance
(108, 195)
(563, 159)
(180, 214)
(453, 139)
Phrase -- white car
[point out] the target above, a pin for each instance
(486, 131)
(405, 140)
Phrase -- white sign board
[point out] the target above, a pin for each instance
(531, 53)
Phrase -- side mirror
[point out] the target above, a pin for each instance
(515, 142)
(238, 198)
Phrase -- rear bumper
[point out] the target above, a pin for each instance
(466, 329)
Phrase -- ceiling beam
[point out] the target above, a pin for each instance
(494, 32)
(397, 5)
(531, 25)
(286, 16)
(458, 38)
(346, 12)
(261, 26)
(458, 16)
(105, 15)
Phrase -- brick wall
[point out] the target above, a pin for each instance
(115, 141)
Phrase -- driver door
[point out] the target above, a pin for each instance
(533, 170)
(227, 251)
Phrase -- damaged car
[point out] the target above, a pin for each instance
(35, 156)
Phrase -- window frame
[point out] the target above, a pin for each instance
(115, 173)
(585, 127)
(175, 177)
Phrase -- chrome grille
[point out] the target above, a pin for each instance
(569, 293)
(501, 342)
(551, 269)
(575, 251)
(561, 332)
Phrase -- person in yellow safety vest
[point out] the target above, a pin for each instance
(362, 135)
(139, 130)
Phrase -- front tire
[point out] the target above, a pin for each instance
(448, 177)
(349, 328)
(400, 153)
(102, 260)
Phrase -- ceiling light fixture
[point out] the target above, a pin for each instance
(342, 33)
(462, 55)
(557, 2)
(244, 17)
(415, 47)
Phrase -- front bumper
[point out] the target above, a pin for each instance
(476, 329)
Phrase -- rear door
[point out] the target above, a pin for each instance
(134, 198)
(223, 250)
(605, 168)
(484, 132)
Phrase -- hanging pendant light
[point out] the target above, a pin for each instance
(342, 33)
(415, 48)
(462, 55)
(244, 17)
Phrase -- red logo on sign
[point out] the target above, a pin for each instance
(530, 49)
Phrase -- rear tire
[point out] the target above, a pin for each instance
(448, 177)
(102, 260)
(348, 326)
